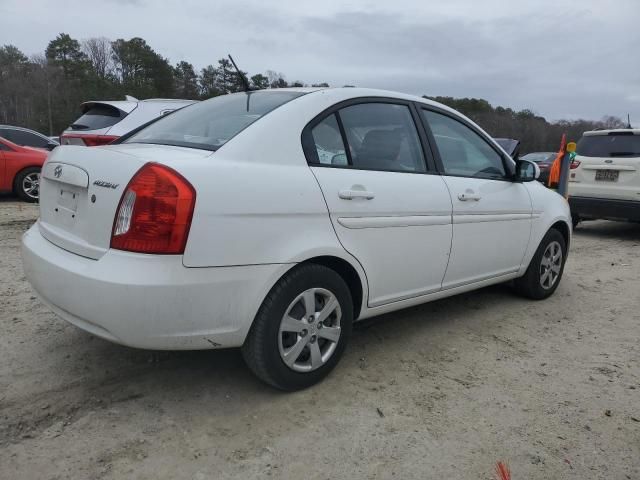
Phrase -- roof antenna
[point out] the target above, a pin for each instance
(628, 122)
(243, 79)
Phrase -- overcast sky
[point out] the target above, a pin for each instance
(560, 58)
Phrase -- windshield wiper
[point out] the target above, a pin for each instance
(79, 126)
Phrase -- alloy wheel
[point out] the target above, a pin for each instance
(550, 265)
(310, 330)
(31, 185)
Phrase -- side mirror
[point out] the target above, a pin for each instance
(526, 171)
(51, 146)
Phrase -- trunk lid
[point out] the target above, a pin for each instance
(80, 191)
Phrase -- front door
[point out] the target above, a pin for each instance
(491, 213)
(387, 211)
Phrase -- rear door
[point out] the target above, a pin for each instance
(388, 212)
(607, 166)
(491, 214)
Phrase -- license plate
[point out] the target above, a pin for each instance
(607, 175)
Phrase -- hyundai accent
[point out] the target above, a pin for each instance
(272, 220)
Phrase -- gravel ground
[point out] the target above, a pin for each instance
(443, 390)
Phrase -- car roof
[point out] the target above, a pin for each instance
(346, 93)
(613, 131)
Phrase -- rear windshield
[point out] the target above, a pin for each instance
(210, 124)
(98, 116)
(612, 145)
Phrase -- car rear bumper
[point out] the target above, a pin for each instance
(592, 208)
(148, 301)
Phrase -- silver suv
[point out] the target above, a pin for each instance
(103, 122)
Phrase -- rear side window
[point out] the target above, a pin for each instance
(210, 124)
(328, 142)
(26, 139)
(612, 145)
(463, 152)
(98, 116)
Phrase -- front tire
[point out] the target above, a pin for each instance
(301, 329)
(545, 270)
(27, 184)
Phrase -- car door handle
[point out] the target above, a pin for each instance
(351, 194)
(469, 196)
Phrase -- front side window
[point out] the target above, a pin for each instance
(463, 152)
(210, 124)
(382, 136)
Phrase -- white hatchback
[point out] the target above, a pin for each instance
(272, 220)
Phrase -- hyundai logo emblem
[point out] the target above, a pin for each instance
(57, 172)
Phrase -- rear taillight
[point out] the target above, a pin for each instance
(87, 140)
(574, 164)
(154, 214)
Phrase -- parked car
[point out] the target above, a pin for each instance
(27, 138)
(604, 179)
(272, 220)
(544, 160)
(20, 170)
(102, 122)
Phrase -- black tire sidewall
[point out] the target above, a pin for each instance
(269, 318)
(533, 272)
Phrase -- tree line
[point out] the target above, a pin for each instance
(535, 133)
(44, 91)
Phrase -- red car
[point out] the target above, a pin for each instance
(20, 170)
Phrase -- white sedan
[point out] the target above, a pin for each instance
(272, 220)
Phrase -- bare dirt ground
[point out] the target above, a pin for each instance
(438, 391)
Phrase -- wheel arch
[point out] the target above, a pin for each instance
(348, 273)
(564, 228)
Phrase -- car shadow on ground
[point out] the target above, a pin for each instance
(119, 372)
(603, 229)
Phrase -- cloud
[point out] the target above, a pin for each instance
(556, 57)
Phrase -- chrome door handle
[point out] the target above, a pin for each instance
(351, 194)
(464, 197)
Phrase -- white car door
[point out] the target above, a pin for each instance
(388, 209)
(491, 213)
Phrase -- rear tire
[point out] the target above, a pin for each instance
(26, 185)
(545, 270)
(301, 329)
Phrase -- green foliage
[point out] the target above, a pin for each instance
(186, 81)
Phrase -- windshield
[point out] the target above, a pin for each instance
(539, 157)
(611, 145)
(210, 124)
